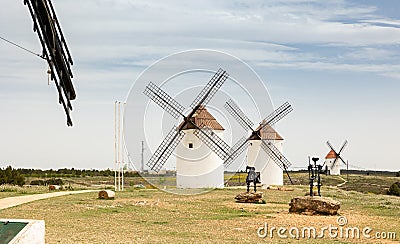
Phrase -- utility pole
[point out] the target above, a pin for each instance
(123, 161)
(123, 149)
(115, 145)
(142, 161)
(119, 146)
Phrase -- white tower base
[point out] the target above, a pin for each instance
(196, 165)
(335, 170)
(213, 179)
(270, 173)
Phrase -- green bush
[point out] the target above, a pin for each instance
(37, 183)
(11, 176)
(398, 174)
(394, 189)
(52, 181)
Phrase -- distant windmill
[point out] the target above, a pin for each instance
(264, 136)
(202, 131)
(332, 159)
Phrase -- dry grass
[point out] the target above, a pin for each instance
(12, 191)
(147, 216)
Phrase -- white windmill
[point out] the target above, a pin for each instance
(332, 159)
(196, 165)
(270, 160)
(271, 173)
(209, 132)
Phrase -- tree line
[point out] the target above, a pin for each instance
(13, 176)
(72, 172)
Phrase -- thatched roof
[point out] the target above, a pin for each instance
(331, 154)
(266, 133)
(202, 118)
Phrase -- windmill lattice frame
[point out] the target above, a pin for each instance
(170, 105)
(55, 50)
(337, 153)
(270, 120)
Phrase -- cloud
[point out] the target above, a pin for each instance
(384, 70)
(112, 41)
(118, 33)
(383, 22)
(372, 54)
(277, 21)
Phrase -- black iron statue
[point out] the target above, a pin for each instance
(314, 173)
(252, 176)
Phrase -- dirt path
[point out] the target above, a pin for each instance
(344, 181)
(15, 201)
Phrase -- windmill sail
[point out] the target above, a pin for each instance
(55, 51)
(238, 114)
(166, 148)
(266, 145)
(214, 142)
(337, 154)
(164, 100)
(210, 89)
(275, 155)
(278, 114)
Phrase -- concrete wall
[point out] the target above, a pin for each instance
(333, 170)
(33, 232)
(198, 167)
(270, 172)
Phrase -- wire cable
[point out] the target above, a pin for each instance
(21, 47)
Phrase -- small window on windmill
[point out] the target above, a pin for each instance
(190, 145)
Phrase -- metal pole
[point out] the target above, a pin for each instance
(119, 146)
(123, 148)
(115, 145)
(142, 162)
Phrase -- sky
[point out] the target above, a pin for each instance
(337, 62)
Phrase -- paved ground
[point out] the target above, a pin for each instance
(15, 201)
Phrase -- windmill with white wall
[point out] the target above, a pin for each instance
(196, 165)
(270, 160)
(332, 161)
(271, 173)
(202, 125)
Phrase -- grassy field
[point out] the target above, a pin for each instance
(377, 184)
(12, 191)
(150, 215)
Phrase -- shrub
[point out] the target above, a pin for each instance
(11, 176)
(23, 189)
(37, 182)
(394, 189)
(54, 181)
(69, 188)
(398, 174)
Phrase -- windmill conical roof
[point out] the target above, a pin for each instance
(266, 133)
(202, 118)
(331, 154)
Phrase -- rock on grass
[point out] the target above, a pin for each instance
(314, 205)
